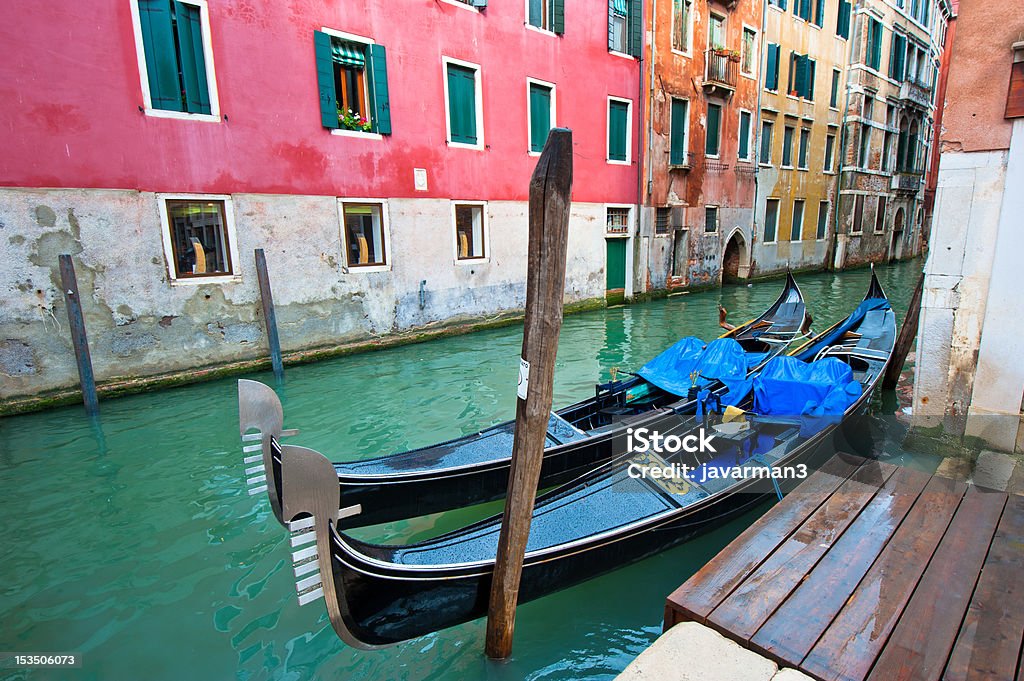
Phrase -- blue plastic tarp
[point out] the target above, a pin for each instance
(790, 387)
(671, 370)
(722, 359)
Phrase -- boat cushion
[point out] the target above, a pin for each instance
(790, 387)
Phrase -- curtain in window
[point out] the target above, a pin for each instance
(620, 8)
(348, 54)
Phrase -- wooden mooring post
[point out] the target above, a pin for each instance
(550, 189)
(269, 316)
(906, 338)
(76, 321)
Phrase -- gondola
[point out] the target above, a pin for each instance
(474, 469)
(378, 595)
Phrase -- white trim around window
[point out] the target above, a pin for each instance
(478, 91)
(463, 5)
(385, 228)
(751, 137)
(484, 233)
(755, 56)
(363, 40)
(608, 128)
(229, 228)
(554, 109)
(211, 72)
(778, 212)
(629, 221)
(688, 52)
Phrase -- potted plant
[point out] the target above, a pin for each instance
(350, 120)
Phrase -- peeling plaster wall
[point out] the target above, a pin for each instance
(140, 323)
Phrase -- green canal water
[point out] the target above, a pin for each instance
(133, 541)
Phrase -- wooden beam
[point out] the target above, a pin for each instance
(69, 283)
(269, 316)
(550, 189)
(906, 338)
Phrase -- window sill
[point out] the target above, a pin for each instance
(199, 281)
(617, 235)
(748, 76)
(680, 53)
(617, 163)
(765, 165)
(622, 55)
(183, 116)
(770, 243)
(533, 153)
(786, 167)
(538, 29)
(341, 132)
(472, 261)
(464, 145)
(463, 5)
(367, 269)
(803, 170)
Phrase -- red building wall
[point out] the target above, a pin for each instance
(70, 95)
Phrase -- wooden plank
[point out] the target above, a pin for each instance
(1015, 94)
(988, 645)
(908, 332)
(848, 648)
(76, 321)
(921, 643)
(790, 633)
(269, 315)
(550, 192)
(754, 601)
(706, 589)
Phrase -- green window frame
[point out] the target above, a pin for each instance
(898, 57)
(822, 230)
(541, 114)
(787, 147)
(843, 20)
(710, 219)
(548, 15)
(462, 98)
(713, 133)
(175, 55)
(796, 227)
(805, 141)
(618, 130)
(771, 72)
(767, 130)
(744, 146)
(625, 27)
(678, 126)
(874, 45)
(343, 63)
(833, 98)
(771, 219)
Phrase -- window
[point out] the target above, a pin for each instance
(464, 105)
(822, 220)
(745, 146)
(880, 215)
(766, 142)
(897, 57)
(890, 122)
(858, 214)
(771, 72)
(830, 146)
(787, 147)
(540, 113)
(819, 13)
(548, 15)
(843, 20)
(661, 218)
(865, 146)
(364, 233)
(198, 235)
(682, 25)
(625, 27)
(470, 231)
(771, 220)
(713, 135)
(352, 78)
(678, 132)
(801, 76)
(874, 46)
(805, 139)
(749, 53)
(833, 98)
(175, 58)
(617, 220)
(716, 31)
(619, 130)
(802, 9)
(711, 218)
(781, 4)
(797, 228)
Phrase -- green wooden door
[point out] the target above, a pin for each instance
(616, 267)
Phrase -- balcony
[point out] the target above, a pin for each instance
(907, 178)
(916, 93)
(721, 67)
(684, 163)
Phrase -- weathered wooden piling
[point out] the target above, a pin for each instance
(905, 339)
(550, 189)
(76, 321)
(269, 316)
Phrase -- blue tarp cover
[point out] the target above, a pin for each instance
(671, 370)
(722, 359)
(790, 387)
(848, 323)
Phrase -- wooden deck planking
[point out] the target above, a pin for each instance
(852, 641)
(921, 643)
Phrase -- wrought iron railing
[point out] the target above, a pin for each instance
(721, 67)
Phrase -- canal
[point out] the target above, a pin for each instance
(134, 543)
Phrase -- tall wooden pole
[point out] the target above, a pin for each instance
(269, 316)
(906, 338)
(69, 282)
(550, 189)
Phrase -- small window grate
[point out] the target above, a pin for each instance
(661, 218)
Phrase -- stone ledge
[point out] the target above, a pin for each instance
(693, 652)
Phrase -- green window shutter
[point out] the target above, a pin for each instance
(558, 16)
(712, 142)
(819, 13)
(810, 79)
(800, 74)
(540, 116)
(161, 60)
(843, 23)
(744, 150)
(782, 5)
(462, 104)
(377, 86)
(875, 36)
(771, 76)
(325, 80)
(618, 121)
(677, 143)
(805, 10)
(193, 61)
(636, 28)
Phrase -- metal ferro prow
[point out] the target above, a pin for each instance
(310, 486)
(260, 408)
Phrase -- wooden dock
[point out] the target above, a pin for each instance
(872, 571)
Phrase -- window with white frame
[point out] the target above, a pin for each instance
(548, 15)
(797, 225)
(822, 220)
(748, 54)
(470, 230)
(364, 231)
(619, 130)
(830, 146)
(880, 215)
(771, 220)
(617, 219)
(175, 58)
(858, 215)
(463, 104)
(682, 25)
(746, 146)
(352, 80)
(198, 236)
(540, 112)
(767, 128)
(711, 218)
